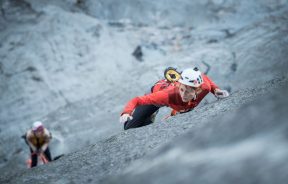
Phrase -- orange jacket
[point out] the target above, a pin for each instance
(169, 96)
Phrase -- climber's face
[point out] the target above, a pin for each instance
(187, 93)
(39, 132)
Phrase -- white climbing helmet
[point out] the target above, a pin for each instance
(37, 126)
(191, 77)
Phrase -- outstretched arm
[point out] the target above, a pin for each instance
(159, 98)
(216, 90)
(31, 146)
(214, 87)
(44, 147)
(47, 137)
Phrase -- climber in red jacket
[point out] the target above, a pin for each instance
(182, 96)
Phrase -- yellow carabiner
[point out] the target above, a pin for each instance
(171, 74)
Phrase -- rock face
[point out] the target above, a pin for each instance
(248, 145)
(75, 72)
(168, 13)
(226, 138)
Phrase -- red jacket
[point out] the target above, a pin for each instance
(169, 96)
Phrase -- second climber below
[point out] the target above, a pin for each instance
(38, 139)
(182, 96)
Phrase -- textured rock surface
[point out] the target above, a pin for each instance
(206, 132)
(75, 72)
(248, 145)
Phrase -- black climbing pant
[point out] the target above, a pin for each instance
(142, 116)
(34, 157)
